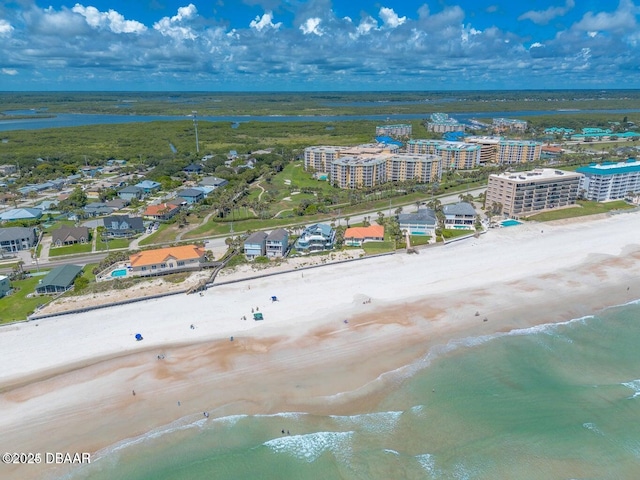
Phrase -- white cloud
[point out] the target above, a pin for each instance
(536, 45)
(111, 20)
(366, 25)
(622, 19)
(312, 25)
(266, 21)
(542, 17)
(5, 28)
(390, 18)
(9, 71)
(172, 27)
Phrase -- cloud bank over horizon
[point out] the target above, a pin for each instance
(317, 45)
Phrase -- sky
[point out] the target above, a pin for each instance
(318, 45)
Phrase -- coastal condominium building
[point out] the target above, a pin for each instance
(442, 123)
(523, 193)
(488, 147)
(455, 155)
(609, 180)
(506, 152)
(421, 167)
(509, 124)
(370, 165)
(319, 159)
(518, 151)
(400, 130)
(359, 171)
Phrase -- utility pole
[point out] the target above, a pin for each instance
(195, 125)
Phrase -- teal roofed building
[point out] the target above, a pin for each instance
(610, 180)
(59, 280)
(559, 131)
(316, 238)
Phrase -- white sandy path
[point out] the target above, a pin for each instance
(334, 291)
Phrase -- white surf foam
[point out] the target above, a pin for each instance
(428, 463)
(635, 386)
(311, 446)
(379, 422)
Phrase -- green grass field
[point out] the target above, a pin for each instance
(112, 244)
(17, 306)
(70, 249)
(582, 209)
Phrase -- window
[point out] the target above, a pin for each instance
(181, 264)
(163, 265)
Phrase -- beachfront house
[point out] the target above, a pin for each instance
(59, 280)
(122, 226)
(255, 245)
(161, 261)
(130, 193)
(161, 211)
(277, 243)
(316, 238)
(423, 222)
(14, 239)
(356, 236)
(461, 216)
(66, 235)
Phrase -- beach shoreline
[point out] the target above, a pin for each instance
(71, 378)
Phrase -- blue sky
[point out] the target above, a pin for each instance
(311, 45)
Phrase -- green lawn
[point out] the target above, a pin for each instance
(17, 306)
(372, 248)
(420, 240)
(166, 233)
(87, 272)
(583, 208)
(454, 233)
(112, 244)
(70, 249)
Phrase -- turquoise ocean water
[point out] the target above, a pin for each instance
(553, 402)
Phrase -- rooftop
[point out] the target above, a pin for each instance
(364, 232)
(62, 276)
(536, 175)
(159, 255)
(611, 168)
(462, 208)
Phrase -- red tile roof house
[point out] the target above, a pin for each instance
(356, 236)
(162, 211)
(167, 260)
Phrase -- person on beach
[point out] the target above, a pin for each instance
(134, 392)
(206, 414)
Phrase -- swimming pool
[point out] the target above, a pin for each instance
(510, 223)
(119, 273)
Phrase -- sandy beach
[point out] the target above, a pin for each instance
(335, 340)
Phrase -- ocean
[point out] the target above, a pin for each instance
(557, 401)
